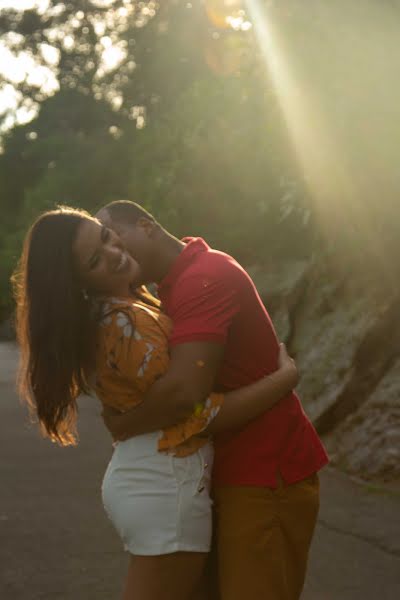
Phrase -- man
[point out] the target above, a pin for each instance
(265, 476)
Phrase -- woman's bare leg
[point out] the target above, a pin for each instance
(167, 577)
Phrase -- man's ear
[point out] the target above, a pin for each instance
(148, 226)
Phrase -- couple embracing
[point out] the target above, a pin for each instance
(196, 391)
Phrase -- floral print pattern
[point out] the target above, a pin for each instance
(132, 353)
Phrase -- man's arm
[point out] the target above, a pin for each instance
(247, 403)
(239, 408)
(201, 316)
(188, 382)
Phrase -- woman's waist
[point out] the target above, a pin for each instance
(148, 444)
(139, 445)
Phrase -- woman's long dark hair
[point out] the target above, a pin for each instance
(55, 326)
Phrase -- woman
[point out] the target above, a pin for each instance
(80, 327)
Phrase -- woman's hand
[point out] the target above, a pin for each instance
(287, 363)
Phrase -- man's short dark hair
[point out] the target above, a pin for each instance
(125, 211)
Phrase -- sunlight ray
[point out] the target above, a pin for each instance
(334, 187)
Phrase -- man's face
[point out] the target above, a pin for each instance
(136, 238)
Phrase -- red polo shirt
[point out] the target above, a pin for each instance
(210, 297)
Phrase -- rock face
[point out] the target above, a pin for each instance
(345, 336)
(367, 442)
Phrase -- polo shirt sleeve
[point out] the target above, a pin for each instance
(204, 310)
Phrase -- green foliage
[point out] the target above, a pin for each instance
(190, 123)
(218, 173)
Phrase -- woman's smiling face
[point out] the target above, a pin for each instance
(104, 265)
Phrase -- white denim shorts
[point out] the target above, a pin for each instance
(159, 503)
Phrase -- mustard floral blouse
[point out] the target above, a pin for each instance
(132, 353)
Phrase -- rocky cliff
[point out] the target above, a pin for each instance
(344, 331)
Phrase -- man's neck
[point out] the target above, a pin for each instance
(170, 249)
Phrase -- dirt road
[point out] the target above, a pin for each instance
(56, 542)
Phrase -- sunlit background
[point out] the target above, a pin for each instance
(272, 129)
(267, 126)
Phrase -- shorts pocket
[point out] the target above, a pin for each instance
(187, 468)
(194, 471)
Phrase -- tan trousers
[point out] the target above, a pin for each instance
(263, 539)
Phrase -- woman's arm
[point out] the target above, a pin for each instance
(240, 406)
(245, 404)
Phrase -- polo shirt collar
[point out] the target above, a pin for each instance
(194, 245)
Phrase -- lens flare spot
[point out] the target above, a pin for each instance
(223, 13)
